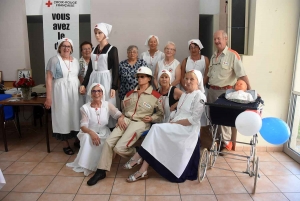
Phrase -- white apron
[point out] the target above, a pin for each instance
(173, 144)
(89, 155)
(66, 100)
(102, 75)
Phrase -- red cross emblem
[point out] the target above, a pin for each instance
(96, 25)
(66, 39)
(170, 70)
(140, 69)
(163, 71)
(48, 4)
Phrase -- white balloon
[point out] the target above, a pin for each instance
(248, 123)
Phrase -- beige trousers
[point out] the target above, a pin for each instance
(120, 142)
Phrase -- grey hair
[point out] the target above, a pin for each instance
(224, 34)
(131, 47)
(170, 43)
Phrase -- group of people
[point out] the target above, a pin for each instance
(154, 88)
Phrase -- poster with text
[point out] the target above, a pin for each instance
(60, 20)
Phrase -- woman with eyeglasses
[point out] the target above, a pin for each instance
(172, 149)
(93, 129)
(62, 86)
(169, 63)
(104, 67)
(127, 70)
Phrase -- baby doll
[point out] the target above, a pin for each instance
(240, 92)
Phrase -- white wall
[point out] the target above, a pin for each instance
(133, 21)
(271, 66)
(14, 50)
(34, 7)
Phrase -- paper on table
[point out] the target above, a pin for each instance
(2, 180)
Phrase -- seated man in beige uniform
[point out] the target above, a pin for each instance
(224, 70)
(138, 108)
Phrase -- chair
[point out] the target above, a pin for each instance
(9, 111)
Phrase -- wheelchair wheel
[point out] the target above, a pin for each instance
(203, 165)
(213, 154)
(256, 174)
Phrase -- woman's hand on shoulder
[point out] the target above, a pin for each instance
(95, 138)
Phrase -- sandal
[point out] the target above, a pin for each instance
(132, 177)
(127, 165)
(68, 151)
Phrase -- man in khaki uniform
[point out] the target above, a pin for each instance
(138, 108)
(224, 70)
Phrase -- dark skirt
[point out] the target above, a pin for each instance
(67, 136)
(190, 172)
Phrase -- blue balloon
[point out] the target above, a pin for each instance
(274, 130)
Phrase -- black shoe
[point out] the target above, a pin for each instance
(77, 144)
(99, 174)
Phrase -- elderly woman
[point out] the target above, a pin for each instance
(62, 86)
(104, 68)
(127, 70)
(169, 63)
(195, 61)
(172, 149)
(141, 107)
(153, 55)
(170, 95)
(94, 130)
(85, 49)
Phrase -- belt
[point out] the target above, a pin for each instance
(221, 88)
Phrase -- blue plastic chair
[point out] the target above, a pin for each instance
(8, 110)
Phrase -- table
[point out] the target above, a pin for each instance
(33, 102)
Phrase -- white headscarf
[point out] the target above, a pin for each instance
(105, 28)
(162, 72)
(196, 41)
(89, 93)
(63, 40)
(200, 79)
(146, 43)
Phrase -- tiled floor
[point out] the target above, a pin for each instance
(33, 174)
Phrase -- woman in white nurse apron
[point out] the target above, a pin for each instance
(169, 63)
(104, 67)
(172, 149)
(62, 86)
(196, 61)
(170, 95)
(94, 130)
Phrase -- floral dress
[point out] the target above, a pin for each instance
(126, 74)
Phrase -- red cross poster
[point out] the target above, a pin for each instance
(60, 20)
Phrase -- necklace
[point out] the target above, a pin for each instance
(183, 101)
(68, 66)
(168, 64)
(98, 114)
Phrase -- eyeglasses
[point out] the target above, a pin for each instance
(140, 76)
(86, 49)
(171, 49)
(99, 91)
(66, 46)
(131, 52)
